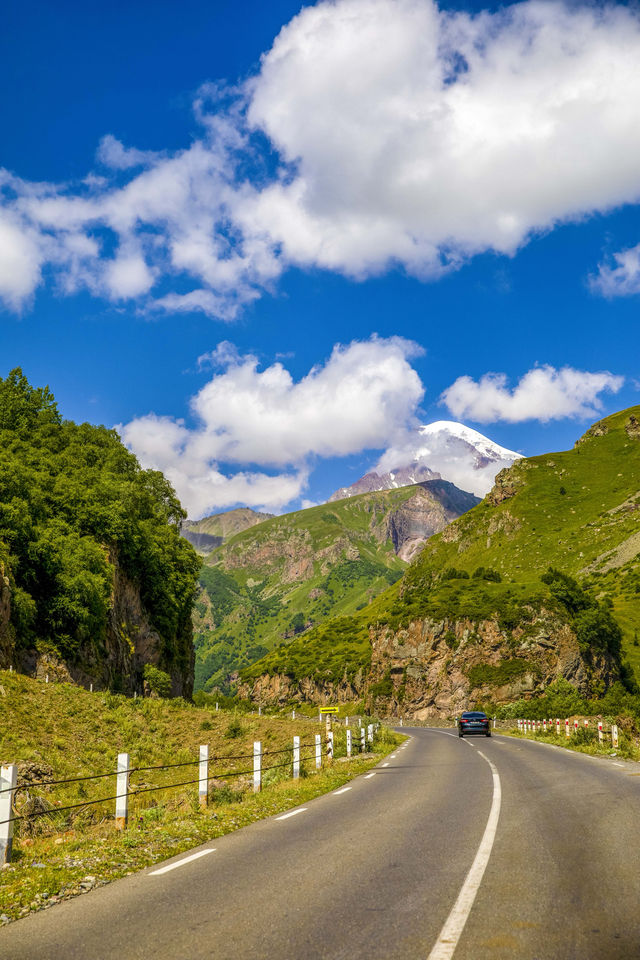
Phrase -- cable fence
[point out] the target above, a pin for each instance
(26, 803)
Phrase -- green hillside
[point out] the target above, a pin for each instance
(576, 511)
(272, 582)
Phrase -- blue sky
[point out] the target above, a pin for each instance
(454, 179)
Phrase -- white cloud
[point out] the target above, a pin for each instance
(621, 280)
(21, 258)
(112, 153)
(543, 393)
(358, 399)
(406, 134)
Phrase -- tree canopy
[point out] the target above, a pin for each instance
(74, 503)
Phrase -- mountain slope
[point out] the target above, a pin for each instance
(211, 532)
(472, 616)
(445, 449)
(277, 579)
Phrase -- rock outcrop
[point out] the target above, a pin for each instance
(435, 669)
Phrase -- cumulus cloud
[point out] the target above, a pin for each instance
(360, 398)
(403, 135)
(543, 393)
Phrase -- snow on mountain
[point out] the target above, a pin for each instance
(443, 450)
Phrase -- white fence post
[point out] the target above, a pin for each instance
(216, 705)
(348, 743)
(346, 721)
(614, 736)
(330, 746)
(370, 733)
(8, 784)
(122, 791)
(296, 758)
(362, 743)
(257, 766)
(293, 714)
(318, 751)
(203, 782)
(401, 723)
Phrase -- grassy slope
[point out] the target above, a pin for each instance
(253, 593)
(78, 733)
(540, 525)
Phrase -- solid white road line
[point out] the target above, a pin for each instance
(455, 922)
(369, 775)
(618, 764)
(385, 764)
(292, 813)
(181, 863)
(337, 793)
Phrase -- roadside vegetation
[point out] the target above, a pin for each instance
(59, 731)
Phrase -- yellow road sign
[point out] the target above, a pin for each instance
(328, 709)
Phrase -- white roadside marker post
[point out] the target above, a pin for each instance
(600, 733)
(257, 766)
(293, 714)
(575, 725)
(567, 731)
(614, 736)
(362, 743)
(370, 733)
(557, 727)
(296, 758)
(122, 791)
(8, 785)
(203, 775)
(330, 746)
(318, 751)
(348, 743)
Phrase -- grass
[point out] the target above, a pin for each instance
(69, 732)
(584, 741)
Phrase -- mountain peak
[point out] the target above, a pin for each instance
(444, 450)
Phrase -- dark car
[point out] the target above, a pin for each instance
(474, 722)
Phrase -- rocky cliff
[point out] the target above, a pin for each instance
(436, 668)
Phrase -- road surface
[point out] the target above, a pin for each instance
(478, 849)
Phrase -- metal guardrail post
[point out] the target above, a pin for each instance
(203, 775)
(122, 791)
(8, 784)
(296, 758)
(257, 766)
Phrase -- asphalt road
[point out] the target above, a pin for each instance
(481, 849)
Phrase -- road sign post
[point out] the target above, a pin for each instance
(8, 785)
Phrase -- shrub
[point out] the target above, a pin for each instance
(159, 681)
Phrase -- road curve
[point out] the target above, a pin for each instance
(375, 871)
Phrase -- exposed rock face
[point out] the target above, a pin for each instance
(438, 668)
(401, 477)
(599, 429)
(505, 487)
(280, 689)
(131, 641)
(6, 630)
(632, 427)
(435, 504)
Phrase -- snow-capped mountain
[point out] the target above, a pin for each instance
(443, 450)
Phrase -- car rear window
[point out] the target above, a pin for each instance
(475, 716)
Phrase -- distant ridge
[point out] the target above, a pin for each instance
(211, 532)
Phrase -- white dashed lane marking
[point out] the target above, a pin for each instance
(337, 793)
(369, 775)
(292, 813)
(181, 863)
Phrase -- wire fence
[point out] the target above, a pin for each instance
(37, 808)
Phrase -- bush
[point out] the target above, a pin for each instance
(235, 729)
(159, 681)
